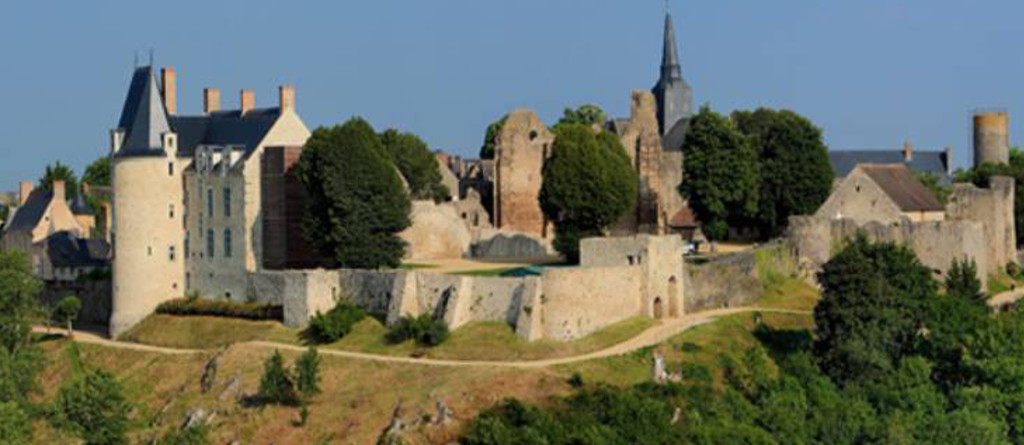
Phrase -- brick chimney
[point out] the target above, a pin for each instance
(211, 100)
(286, 96)
(908, 151)
(59, 194)
(24, 189)
(170, 82)
(248, 100)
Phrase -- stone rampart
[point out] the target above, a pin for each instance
(579, 301)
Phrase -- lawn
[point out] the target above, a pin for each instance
(790, 294)
(202, 332)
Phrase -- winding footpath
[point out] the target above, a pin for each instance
(657, 334)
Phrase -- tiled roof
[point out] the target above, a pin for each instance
(896, 180)
(684, 218)
(935, 162)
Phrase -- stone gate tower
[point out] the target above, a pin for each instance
(148, 202)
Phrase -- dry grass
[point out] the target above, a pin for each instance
(202, 332)
(791, 294)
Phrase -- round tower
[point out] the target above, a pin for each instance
(148, 197)
(991, 137)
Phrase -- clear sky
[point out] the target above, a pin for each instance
(871, 73)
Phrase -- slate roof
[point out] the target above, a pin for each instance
(673, 139)
(935, 162)
(896, 180)
(79, 207)
(144, 119)
(26, 217)
(66, 250)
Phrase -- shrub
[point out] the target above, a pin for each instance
(193, 435)
(576, 380)
(190, 306)
(67, 311)
(91, 406)
(276, 385)
(424, 330)
(335, 324)
(307, 373)
(15, 425)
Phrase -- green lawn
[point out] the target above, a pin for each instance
(791, 294)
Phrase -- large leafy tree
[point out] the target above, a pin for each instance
(588, 184)
(874, 296)
(98, 173)
(60, 172)
(491, 136)
(795, 172)
(356, 204)
(1015, 169)
(721, 172)
(588, 115)
(416, 163)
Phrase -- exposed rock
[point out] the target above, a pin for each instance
(444, 413)
(660, 375)
(437, 232)
(196, 417)
(392, 434)
(231, 388)
(676, 415)
(209, 373)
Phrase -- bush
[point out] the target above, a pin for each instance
(335, 324)
(276, 385)
(307, 373)
(190, 306)
(576, 380)
(15, 425)
(91, 406)
(194, 435)
(424, 330)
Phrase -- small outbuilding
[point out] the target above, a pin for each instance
(886, 193)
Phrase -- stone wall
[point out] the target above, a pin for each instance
(437, 232)
(579, 301)
(522, 146)
(95, 296)
(993, 206)
(723, 281)
(502, 245)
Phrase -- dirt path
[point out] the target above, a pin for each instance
(1005, 298)
(659, 333)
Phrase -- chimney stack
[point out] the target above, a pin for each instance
(248, 100)
(170, 83)
(59, 193)
(948, 154)
(286, 94)
(211, 100)
(24, 189)
(908, 151)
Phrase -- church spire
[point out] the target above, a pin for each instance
(670, 69)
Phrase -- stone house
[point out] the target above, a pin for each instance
(40, 213)
(187, 193)
(886, 193)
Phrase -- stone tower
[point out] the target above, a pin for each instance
(148, 198)
(674, 95)
(991, 137)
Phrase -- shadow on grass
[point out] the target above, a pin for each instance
(783, 342)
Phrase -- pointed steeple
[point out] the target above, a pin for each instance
(144, 117)
(674, 95)
(670, 68)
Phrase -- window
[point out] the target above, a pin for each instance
(170, 211)
(187, 245)
(170, 169)
(209, 243)
(170, 253)
(209, 202)
(227, 243)
(227, 201)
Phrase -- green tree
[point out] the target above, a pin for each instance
(60, 172)
(874, 296)
(67, 312)
(15, 425)
(587, 115)
(588, 184)
(795, 171)
(417, 164)
(98, 172)
(490, 138)
(932, 182)
(19, 288)
(307, 373)
(356, 205)
(962, 281)
(276, 385)
(91, 406)
(721, 173)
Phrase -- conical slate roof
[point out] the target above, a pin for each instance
(670, 69)
(143, 118)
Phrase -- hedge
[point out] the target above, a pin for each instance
(221, 308)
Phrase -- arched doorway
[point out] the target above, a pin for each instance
(659, 310)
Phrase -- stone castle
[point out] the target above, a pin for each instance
(206, 204)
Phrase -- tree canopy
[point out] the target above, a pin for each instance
(588, 184)
(491, 136)
(721, 171)
(356, 204)
(417, 164)
(60, 172)
(795, 171)
(587, 115)
(98, 172)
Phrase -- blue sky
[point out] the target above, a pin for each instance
(871, 73)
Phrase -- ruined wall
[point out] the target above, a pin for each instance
(671, 172)
(723, 282)
(490, 244)
(994, 208)
(641, 138)
(522, 146)
(437, 232)
(579, 301)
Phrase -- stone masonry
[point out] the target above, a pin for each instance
(522, 146)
